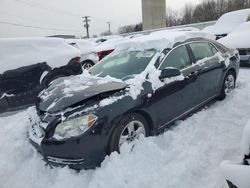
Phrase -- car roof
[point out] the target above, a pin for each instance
(162, 40)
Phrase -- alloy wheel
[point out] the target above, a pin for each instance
(132, 131)
(229, 84)
(87, 66)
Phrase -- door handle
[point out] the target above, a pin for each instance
(193, 76)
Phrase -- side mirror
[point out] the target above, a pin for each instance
(169, 72)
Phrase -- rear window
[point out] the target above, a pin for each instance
(214, 50)
(201, 50)
(222, 48)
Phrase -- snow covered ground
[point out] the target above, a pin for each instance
(188, 156)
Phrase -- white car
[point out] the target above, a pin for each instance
(227, 23)
(19, 52)
(237, 174)
(240, 39)
(87, 48)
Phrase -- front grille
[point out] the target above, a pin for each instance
(65, 161)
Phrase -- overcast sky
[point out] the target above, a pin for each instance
(52, 17)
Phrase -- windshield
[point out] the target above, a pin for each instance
(123, 65)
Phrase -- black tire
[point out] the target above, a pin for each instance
(223, 92)
(87, 64)
(114, 144)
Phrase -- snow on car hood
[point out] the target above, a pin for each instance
(19, 52)
(65, 92)
(228, 22)
(238, 38)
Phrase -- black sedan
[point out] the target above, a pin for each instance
(134, 92)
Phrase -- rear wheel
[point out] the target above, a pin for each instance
(128, 130)
(228, 85)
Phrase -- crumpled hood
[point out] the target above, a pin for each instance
(67, 91)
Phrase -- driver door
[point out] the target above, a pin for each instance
(176, 96)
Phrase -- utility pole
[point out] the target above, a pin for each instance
(86, 24)
(109, 27)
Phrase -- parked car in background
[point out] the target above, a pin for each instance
(237, 173)
(102, 39)
(107, 47)
(239, 38)
(26, 62)
(228, 22)
(141, 89)
(89, 56)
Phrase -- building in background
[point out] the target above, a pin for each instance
(153, 14)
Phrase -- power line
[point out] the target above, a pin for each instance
(24, 18)
(48, 9)
(57, 11)
(36, 27)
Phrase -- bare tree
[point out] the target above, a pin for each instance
(130, 28)
(187, 14)
(105, 33)
(206, 10)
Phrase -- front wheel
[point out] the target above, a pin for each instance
(228, 85)
(128, 130)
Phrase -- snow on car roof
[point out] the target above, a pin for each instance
(110, 44)
(238, 38)
(85, 46)
(227, 22)
(19, 52)
(163, 39)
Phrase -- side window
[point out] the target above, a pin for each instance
(201, 50)
(214, 50)
(178, 58)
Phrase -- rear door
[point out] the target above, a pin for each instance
(211, 69)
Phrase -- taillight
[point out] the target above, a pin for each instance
(77, 59)
(99, 55)
(102, 54)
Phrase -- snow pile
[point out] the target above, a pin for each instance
(238, 38)
(228, 22)
(187, 156)
(245, 142)
(18, 52)
(236, 172)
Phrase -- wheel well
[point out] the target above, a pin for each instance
(88, 60)
(148, 119)
(233, 71)
(142, 113)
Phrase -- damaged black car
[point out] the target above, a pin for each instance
(140, 91)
